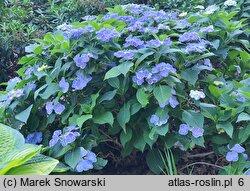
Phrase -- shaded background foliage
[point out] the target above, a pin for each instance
(23, 20)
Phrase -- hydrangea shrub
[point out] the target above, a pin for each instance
(145, 77)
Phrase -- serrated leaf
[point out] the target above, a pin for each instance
(72, 157)
(50, 90)
(243, 117)
(193, 119)
(82, 119)
(142, 97)
(125, 137)
(123, 116)
(227, 127)
(162, 93)
(108, 96)
(117, 70)
(102, 118)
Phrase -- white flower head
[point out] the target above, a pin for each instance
(195, 94)
(229, 3)
(183, 14)
(200, 7)
(211, 9)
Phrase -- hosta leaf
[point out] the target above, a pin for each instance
(10, 139)
(38, 165)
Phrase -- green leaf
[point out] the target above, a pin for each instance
(227, 101)
(216, 44)
(193, 119)
(60, 167)
(215, 91)
(143, 57)
(123, 116)
(190, 75)
(203, 56)
(55, 72)
(243, 117)
(102, 118)
(93, 100)
(38, 90)
(198, 141)
(140, 142)
(154, 161)
(244, 134)
(162, 93)
(72, 157)
(24, 115)
(38, 165)
(108, 96)
(142, 97)
(227, 127)
(149, 138)
(162, 130)
(117, 70)
(134, 108)
(114, 82)
(50, 90)
(125, 136)
(10, 139)
(82, 119)
(65, 45)
(100, 163)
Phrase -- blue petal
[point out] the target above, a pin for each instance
(84, 165)
(232, 156)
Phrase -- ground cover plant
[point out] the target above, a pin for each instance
(137, 81)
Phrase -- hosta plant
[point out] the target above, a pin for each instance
(18, 158)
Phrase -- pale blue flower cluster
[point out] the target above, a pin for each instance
(196, 131)
(34, 138)
(88, 158)
(106, 34)
(69, 136)
(58, 108)
(233, 154)
(239, 97)
(155, 120)
(133, 41)
(126, 54)
(158, 72)
(64, 85)
(80, 81)
(189, 36)
(81, 60)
